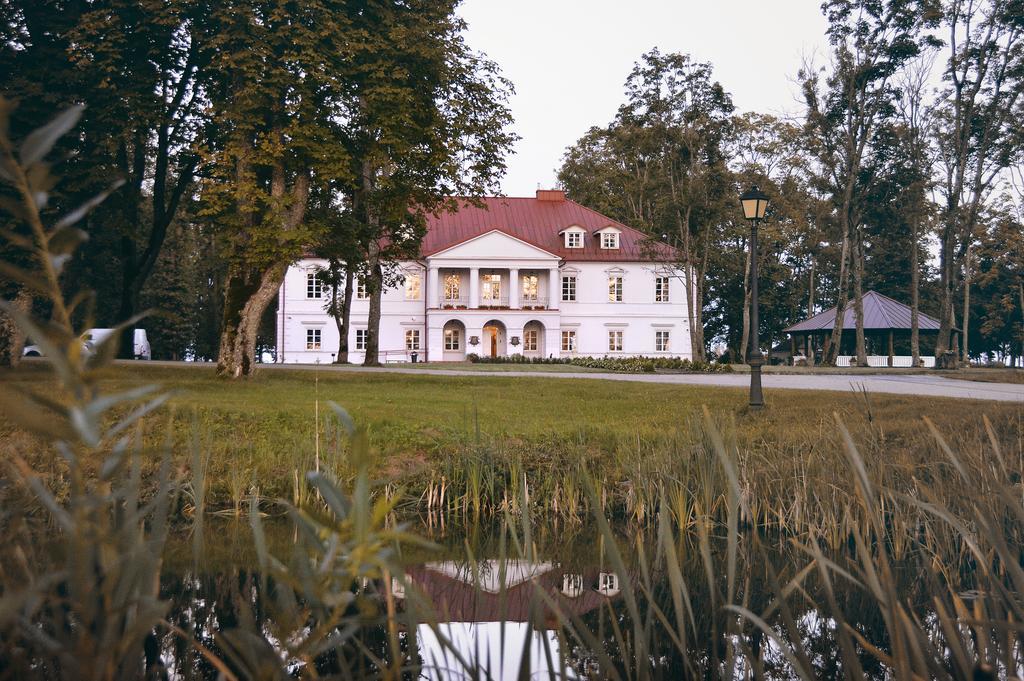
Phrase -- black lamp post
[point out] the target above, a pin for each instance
(755, 203)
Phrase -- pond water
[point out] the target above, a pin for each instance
(561, 611)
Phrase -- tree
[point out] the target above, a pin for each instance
(870, 41)
(341, 245)
(914, 148)
(659, 166)
(976, 128)
(140, 70)
(770, 153)
(426, 120)
(280, 72)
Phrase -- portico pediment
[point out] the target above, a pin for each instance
(493, 245)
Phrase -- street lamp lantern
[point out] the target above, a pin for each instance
(754, 203)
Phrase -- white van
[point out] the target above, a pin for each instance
(94, 336)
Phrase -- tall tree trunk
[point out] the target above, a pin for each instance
(1020, 291)
(248, 291)
(967, 305)
(690, 283)
(374, 284)
(697, 331)
(809, 338)
(374, 276)
(915, 298)
(946, 322)
(246, 299)
(858, 295)
(842, 295)
(343, 317)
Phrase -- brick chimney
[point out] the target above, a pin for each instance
(556, 195)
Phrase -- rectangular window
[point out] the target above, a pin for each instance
(614, 341)
(451, 287)
(412, 339)
(568, 341)
(661, 341)
(314, 286)
(491, 290)
(573, 240)
(661, 289)
(569, 289)
(609, 240)
(530, 339)
(412, 286)
(360, 339)
(615, 289)
(313, 338)
(451, 339)
(362, 290)
(531, 287)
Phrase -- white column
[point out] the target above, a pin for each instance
(433, 293)
(513, 289)
(554, 289)
(474, 287)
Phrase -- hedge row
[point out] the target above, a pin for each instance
(625, 364)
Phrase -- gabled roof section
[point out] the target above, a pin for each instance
(539, 222)
(880, 313)
(539, 251)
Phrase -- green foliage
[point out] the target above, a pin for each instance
(141, 71)
(626, 364)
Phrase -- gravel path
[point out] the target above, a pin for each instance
(913, 384)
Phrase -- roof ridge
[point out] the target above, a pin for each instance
(889, 321)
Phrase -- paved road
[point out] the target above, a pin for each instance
(906, 384)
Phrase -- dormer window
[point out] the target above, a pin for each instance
(609, 237)
(573, 236)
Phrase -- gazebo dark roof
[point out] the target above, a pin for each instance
(880, 313)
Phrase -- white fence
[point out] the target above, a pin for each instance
(883, 361)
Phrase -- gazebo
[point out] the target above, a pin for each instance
(886, 323)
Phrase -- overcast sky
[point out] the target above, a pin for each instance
(569, 59)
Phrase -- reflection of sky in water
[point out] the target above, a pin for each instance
(496, 649)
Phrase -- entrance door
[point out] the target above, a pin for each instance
(492, 333)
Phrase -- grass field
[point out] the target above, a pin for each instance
(476, 438)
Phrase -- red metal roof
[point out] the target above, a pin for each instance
(537, 221)
(880, 312)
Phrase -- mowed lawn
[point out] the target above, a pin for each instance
(262, 431)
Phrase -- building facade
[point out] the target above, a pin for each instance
(540, 276)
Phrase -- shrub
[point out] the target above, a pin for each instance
(639, 364)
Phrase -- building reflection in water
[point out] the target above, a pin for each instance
(492, 614)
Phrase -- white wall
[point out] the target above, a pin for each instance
(637, 316)
(299, 313)
(592, 315)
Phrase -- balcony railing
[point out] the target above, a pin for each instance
(501, 303)
(534, 303)
(456, 303)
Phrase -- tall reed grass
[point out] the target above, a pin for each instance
(801, 562)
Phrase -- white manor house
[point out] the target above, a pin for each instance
(540, 276)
